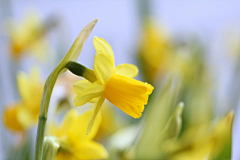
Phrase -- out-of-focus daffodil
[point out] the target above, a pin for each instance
(159, 55)
(11, 119)
(113, 83)
(28, 36)
(156, 52)
(205, 141)
(22, 115)
(74, 143)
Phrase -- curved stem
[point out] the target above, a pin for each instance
(47, 92)
(72, 55)
(46, 96)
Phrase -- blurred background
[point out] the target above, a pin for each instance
(199, 41)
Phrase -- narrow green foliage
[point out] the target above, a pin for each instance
(173, 126)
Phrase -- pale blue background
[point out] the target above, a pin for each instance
(120, 22)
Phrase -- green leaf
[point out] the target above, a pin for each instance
(223, 137)
(157, 114)
(173, 126)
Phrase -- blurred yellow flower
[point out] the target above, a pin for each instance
(74, 143)
(113, 83)
(156, 52)
(159, 55)
(22, 115)
(204, 141)
(28, 36)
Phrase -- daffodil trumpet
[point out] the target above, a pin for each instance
(72, 55)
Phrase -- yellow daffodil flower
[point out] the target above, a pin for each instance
(74, 143)
(113, 83)
(22, 115)
(28, 36)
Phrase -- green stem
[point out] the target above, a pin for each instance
(40, 136)
(72, 55)
(75, 68)
(47, 92)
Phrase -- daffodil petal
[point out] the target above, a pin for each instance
(23, 86)
(93, 91)
(26, 117)
(94, 100)
(104, 67)
(128, 70)
(81, 85)
(67, 124)
(96, 110)
(77, 131)
(30, 90)
(10, 118)
(102, 46)
(91, 150)
(35, 74)
(74, 131)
